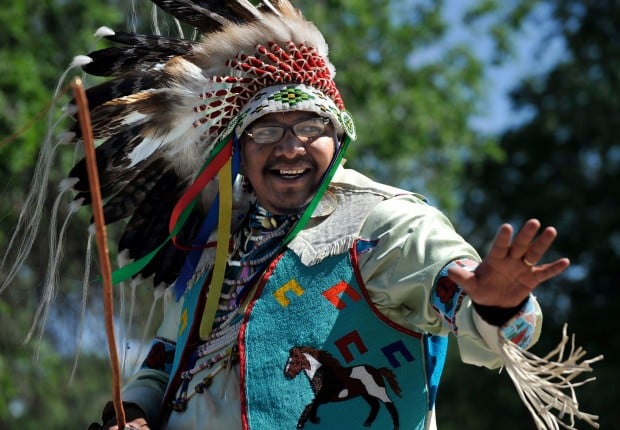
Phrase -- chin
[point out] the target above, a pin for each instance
(288, 209)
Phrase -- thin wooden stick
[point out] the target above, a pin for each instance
(102, 245)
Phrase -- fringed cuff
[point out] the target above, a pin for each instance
(547, 385)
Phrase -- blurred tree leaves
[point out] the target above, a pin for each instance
(563, 166)
(38, 41)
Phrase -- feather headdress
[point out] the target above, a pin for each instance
(170, 102)
(165, 124)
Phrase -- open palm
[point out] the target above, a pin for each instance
(510, 271)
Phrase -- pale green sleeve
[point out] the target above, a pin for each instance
(414, 242)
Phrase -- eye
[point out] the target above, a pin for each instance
(310, 128)
(266, 134)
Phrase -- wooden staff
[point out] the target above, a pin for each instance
(102, 245)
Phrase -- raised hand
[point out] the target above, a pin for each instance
(510, 271)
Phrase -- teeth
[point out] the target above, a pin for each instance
(292, 172)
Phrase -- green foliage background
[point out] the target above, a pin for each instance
(414, 122)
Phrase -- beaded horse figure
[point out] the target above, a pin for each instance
(332, 382)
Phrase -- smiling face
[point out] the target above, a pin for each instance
(286, 174)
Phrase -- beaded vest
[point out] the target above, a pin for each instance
(316, 352)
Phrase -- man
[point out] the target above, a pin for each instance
(401, 250)
(304, 294)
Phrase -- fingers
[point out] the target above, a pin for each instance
(139, 423)
(550, 270)
(505, 246)
(525, 246)
(540, 246)
(524, 239)
(501, 244)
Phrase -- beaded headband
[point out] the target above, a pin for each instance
(294, 97)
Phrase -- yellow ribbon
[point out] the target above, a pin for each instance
(221, 250)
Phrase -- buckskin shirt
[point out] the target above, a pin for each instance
(347, 328)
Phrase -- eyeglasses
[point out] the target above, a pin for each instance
(306, 131)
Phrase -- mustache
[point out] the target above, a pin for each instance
(284, 162)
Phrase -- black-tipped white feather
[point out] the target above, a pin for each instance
(138, 53)
(209, 15)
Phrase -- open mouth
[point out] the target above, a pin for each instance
(289, 173)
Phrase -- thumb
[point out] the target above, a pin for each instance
(461, 276)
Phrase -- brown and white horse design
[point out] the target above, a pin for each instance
(332, 382)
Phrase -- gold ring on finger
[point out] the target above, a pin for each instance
(528, 262)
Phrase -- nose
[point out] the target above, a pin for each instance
(290, 146)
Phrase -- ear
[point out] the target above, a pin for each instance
(246, 185)
(240, 144)
(242, 168)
